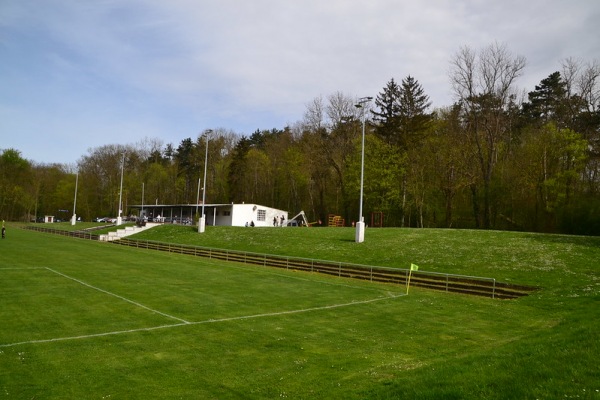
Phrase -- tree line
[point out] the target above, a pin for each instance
(494, 159)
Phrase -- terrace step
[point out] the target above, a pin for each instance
(124, 232)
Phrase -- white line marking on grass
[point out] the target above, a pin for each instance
(119, 297)
(303, 310)
(93, 335)
(208, 321)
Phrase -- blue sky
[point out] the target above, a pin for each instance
(76, 75)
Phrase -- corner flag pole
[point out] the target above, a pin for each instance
(413, 267)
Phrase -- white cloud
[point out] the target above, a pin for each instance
(170, 69)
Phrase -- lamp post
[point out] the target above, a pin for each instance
(142, 211)
(202, 220)
(119, 218)
(360, 225)
(198, 198)
(74, 218)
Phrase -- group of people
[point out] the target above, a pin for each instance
(278, 221)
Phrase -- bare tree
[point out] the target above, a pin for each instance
(483, 83)
(491, 72)
(340, 107)
(583, 79)
(314, 116)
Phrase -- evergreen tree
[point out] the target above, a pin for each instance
(413, 116)
(237, 170)
(547, 102)
(389, 109)
(186, 169)
(402, 112)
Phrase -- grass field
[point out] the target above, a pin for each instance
(89, 320)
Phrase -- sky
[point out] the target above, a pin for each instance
(77, 75)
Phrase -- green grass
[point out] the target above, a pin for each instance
(243, 339)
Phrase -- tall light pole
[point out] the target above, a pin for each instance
(74, 218)
(360, 225)
(119, 218)
(142, 212)
(202, 220)
(198, 198)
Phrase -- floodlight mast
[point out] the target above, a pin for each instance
(360, 225)
(74, 217)
(198, 197)
(202, 220)
(119, 217)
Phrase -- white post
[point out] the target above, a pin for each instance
(119, 217)
(197, 199)
(74, 218)
(202, 221)
(360, 225)
(142, 211)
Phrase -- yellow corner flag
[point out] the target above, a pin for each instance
(413, 267)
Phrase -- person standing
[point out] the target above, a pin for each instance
(3, 230)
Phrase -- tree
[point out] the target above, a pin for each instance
(583, 82)
(484, 85)
(386, 116)
(447, 151)
(186, 157)
(15, 177)
(219, 158)
(550, 161)
(401, 120)
(382, 171)
(413, 118)
(101, 171)
(548, 102)
(238, 186)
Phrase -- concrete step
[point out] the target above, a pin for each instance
(128, 230)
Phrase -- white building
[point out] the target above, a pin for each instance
(216, 214)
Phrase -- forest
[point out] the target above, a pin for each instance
(496, 158)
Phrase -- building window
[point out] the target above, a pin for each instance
(261, 215)
(226, 213)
